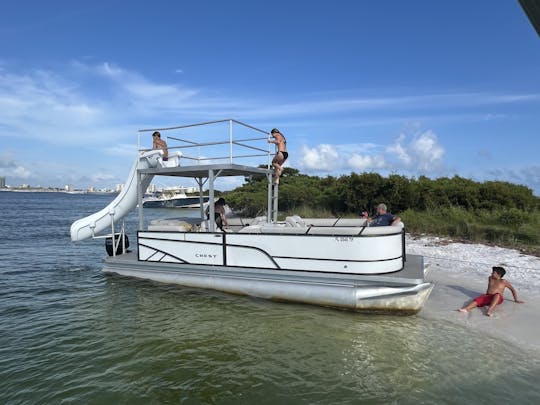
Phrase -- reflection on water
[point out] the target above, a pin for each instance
(71, 334)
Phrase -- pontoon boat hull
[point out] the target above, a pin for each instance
(402, 292)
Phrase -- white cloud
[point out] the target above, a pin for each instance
(421, 102)
(427, 151)
(366, 162)
(400, 151)
(110, 70)
(43, 106)
(12, 169)
(422, 155)
(143, 92)
(21, 172)
(320, 158)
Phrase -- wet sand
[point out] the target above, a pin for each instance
(517, 324)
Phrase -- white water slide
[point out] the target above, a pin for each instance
(93, 224)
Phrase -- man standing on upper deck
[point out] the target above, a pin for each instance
(281, 153)
(159, 143)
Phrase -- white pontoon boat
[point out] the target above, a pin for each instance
(332, 262)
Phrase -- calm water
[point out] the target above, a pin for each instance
(69, 334)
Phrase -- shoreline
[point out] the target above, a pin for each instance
(445, 240)
(460, 272)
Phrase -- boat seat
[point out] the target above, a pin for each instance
(335, 221)
(174, 160)
(284, 229)
(280, 227)
(295, 221)
(352, 230)
(238, 221)
(259, 220)
(321, 230)
(169, 225)
(250, 229)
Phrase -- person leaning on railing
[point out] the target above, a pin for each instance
(159, 143)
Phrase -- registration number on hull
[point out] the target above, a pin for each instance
(344, 238)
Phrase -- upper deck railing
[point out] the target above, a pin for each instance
(209, 142)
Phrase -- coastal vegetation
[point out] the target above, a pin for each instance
(491, 211)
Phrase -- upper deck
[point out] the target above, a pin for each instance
(202, 170)
(207, 151)
(230, 147)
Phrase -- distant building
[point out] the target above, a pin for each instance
(119, 187)
(91, 189)
(2, 182)
(151, 188)
(68, 187)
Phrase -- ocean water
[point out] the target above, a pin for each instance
(70, 334)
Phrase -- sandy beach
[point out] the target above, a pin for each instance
(460, 273)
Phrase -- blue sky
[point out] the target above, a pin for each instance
(415, 88)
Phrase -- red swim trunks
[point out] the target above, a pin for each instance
(486, 299)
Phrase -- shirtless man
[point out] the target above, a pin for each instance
(494, 293)
(159, 143)
(281, 154)
(220, 216)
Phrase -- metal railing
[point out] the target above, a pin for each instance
(117, 238)
(209, 138)
(175, 142)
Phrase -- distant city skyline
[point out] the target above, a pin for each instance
(152, 188)
(416, 88)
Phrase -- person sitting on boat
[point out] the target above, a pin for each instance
(219, 213)
(383, 217)
(281, 154)
(159, 143)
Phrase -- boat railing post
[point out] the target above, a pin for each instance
(270, 180)
(230, 141)
(403, 251)
(212, 219)
(275, 203)
(111, 214)
(140, 198)
(270, 207)
(201, 198)
(122, 235)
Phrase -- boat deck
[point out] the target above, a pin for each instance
(412, 273)
(201, 171)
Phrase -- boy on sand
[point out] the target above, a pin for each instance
(494, 293)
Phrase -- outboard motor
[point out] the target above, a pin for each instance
(109, 244)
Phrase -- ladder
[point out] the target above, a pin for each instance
(273, 194)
